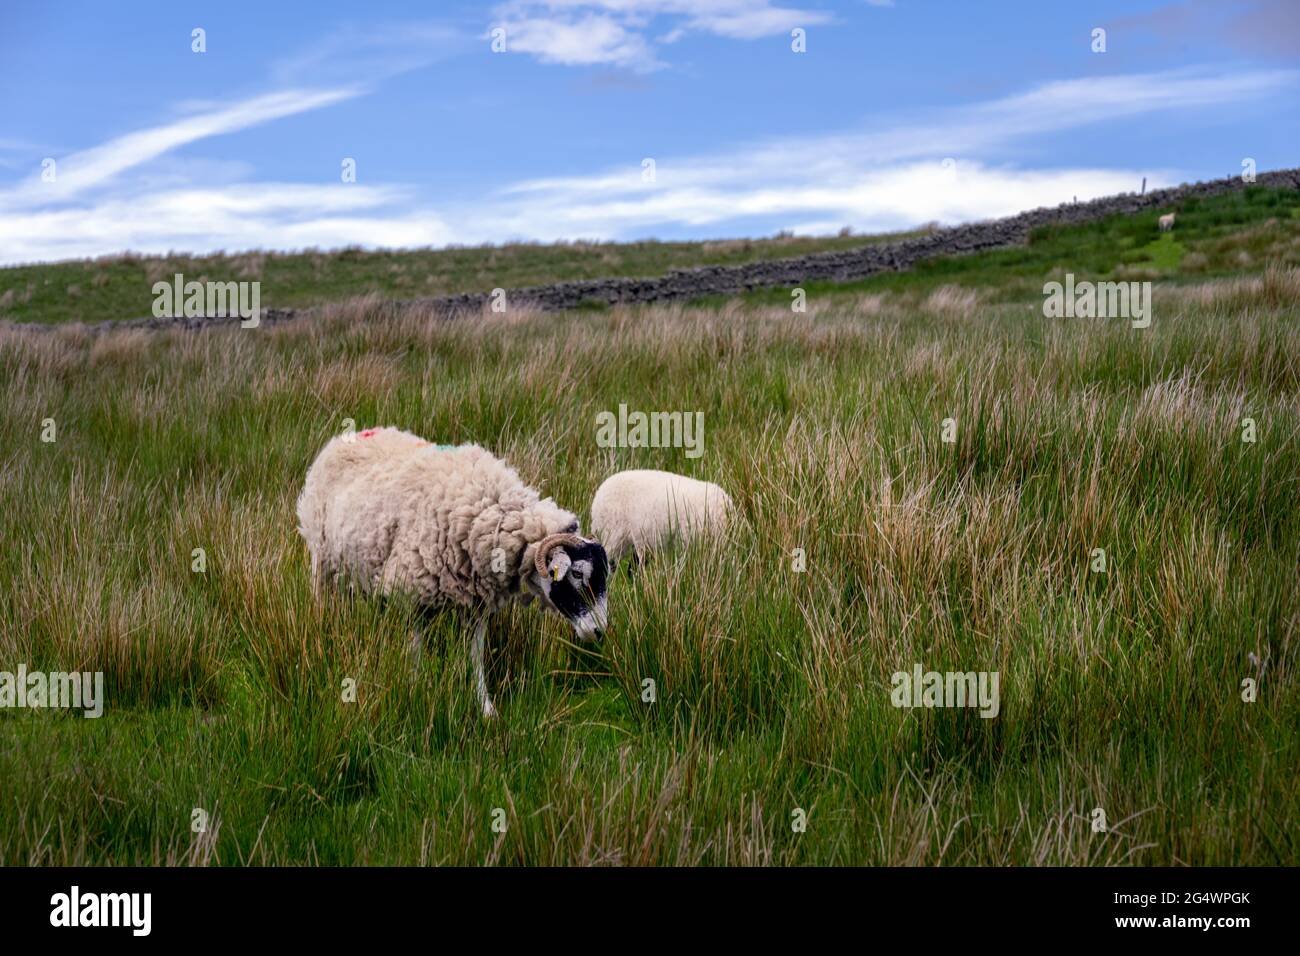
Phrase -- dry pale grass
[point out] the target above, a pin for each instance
(344, 382)
(951, 300)
(1274, 287)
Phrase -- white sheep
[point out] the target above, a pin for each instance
(636, 511)
(452, 527)
(1167, 221)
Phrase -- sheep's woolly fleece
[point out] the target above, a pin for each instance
(391, 512)
(638, 510)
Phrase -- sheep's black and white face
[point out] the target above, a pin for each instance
(575, 586)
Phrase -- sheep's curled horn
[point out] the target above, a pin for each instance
(550, 543)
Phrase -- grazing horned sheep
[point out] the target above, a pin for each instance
(1167, 221)
(637, 510)
(450, 526)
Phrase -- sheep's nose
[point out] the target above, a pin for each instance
(600, 634)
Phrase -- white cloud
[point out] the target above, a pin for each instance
(590, 40)
(613, 32)
(878, 200)
(235, 216)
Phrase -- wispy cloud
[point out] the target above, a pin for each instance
(90, 168)
(353, 55)
(626, 33)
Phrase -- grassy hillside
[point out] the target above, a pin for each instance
(1121, 689)
(1224, 235)
(120, 287)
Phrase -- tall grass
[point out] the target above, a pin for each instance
(1119, 690)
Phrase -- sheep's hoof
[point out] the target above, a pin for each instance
(489, 712)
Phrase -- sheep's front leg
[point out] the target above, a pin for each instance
(480, 677)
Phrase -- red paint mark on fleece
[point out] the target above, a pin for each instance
(368, 432)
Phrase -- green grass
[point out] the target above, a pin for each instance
(1165, 254)
(1119, 690)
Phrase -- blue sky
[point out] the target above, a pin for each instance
(897, 114)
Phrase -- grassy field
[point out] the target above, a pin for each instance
(1120, 690)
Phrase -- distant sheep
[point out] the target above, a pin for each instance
(636, 511)
(1167, 221)
(452, 527)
